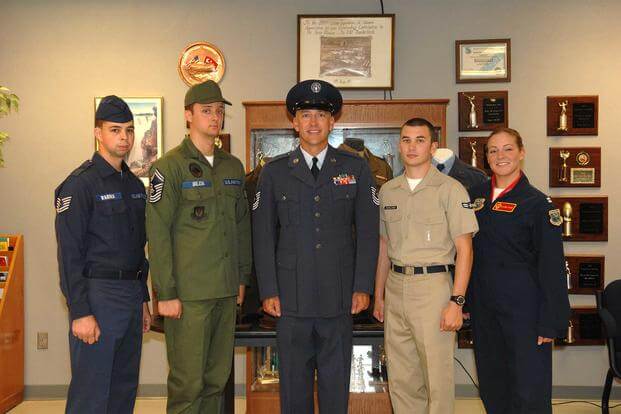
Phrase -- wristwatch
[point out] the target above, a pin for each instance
(459, 299)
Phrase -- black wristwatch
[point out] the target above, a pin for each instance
(459, 299)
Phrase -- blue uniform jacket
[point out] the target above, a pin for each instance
(518, 255)
(315, 243)
(100, 224)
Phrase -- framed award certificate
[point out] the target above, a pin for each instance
(487, 60)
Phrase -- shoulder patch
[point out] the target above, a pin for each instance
(555, 217)
(156, 188)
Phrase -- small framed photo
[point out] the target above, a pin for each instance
(4, 261)
(148, 139)
(349, 51)
(486, 60)
(4, 275)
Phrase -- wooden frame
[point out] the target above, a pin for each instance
(581, 167)
(355, 114)
(481, 74)
(148, 113)
(349, 51)
(575, 203)
(465, 152)
(487, 109)
(581, 115)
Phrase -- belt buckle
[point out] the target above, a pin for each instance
(409, 270)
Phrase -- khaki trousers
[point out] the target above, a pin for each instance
(419, 355)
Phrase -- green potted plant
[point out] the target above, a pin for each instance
(9, 102)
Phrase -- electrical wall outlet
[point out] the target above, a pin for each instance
(41, 340)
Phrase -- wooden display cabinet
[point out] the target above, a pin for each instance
(12, 325)
(378, 122)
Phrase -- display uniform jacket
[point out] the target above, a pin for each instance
(100, 215)
(518, 254)
(305, 248)
(466, 174)
(198, 225)
(380, 170)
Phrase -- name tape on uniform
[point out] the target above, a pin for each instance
(504, 207)
(231, 181)
(109, 196)
(195, 184)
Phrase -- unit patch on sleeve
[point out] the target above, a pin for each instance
(555, 217)
(62, 204)
(156, 187)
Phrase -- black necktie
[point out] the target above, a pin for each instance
(315, 169)
(440, 167)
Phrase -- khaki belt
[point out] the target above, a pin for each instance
(420, 270)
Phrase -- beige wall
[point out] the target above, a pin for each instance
(58, 55)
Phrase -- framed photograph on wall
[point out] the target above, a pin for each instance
(148, 139)
(485, 60)
(349, 51)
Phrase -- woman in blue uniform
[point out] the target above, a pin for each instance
(518, 289)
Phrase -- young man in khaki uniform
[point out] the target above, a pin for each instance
(198, 227)
(425, 219)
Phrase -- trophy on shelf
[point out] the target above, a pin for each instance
(564, 154)
(568, 274)
(570, 334)
(562, 119)
(473, 157)
(268, 371)
(472, 117)
(567, 211)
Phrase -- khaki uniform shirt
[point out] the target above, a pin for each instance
(198, 225)
(421, 225)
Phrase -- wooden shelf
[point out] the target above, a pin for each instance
(12, 327)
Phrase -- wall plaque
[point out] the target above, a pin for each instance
(483, 111)
(585, 328)
(472, 151)
(572, 115)
(585, 273)
(584, 218)
(575, 167)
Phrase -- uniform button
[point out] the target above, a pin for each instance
(318, 246)
(317, 198)
(226, 255)
(284, 197)
(224, 234)
(317, 214)
(346, 195)
(317, 229)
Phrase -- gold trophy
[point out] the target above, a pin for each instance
(562, 120)
(562, 177)
(567, 220)
(570, 334)
(472, 117)
(473, 157)
(267, 372)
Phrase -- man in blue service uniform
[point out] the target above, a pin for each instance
(100, 216)
(313, 269)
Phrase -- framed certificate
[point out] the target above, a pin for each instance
(349, 51)
(487, 60)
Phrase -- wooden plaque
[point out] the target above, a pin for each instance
(585, 274)
(465, 152)
(578, 167)
(589, 218)
(483, 111)
(586, 326)
(580, 115)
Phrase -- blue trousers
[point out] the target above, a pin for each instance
(104, 375)
(306, 344)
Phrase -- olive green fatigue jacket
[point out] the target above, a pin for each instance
(198, 225)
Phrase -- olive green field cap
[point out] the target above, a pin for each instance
(204, 93)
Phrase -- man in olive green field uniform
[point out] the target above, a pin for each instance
(198, 228)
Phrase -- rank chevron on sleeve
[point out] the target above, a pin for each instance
(62, 204)
(157, 187)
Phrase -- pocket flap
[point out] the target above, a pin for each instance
(433, 219)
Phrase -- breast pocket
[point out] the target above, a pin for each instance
(199, 206)
(430, 230)
(343, 197)
(393, 221)
(113, 220)
(288, 206)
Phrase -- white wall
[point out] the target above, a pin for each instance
(58, 55)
